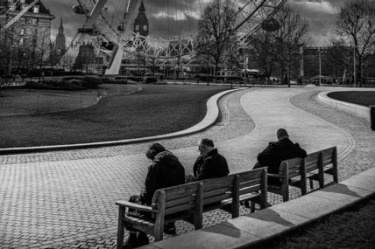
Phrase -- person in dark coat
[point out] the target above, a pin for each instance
(210, 163)
(276, 152)
(165, 171)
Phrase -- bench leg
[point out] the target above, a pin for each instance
(120, 228)
(311, 184)
(303, 187)
(159, 227)
(285, 191)
(321, 179)
(252, 207)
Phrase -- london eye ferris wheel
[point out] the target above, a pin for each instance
(171, 26)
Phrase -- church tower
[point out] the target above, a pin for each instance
(141, 21)
(60, 40)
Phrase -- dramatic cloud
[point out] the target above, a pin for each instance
(321, 17)
(176, 18)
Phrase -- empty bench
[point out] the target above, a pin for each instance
(190, 200)
(295, 172)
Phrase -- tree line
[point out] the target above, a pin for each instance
(277, 49)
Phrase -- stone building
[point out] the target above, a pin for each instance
(86, 60)
(141, 21)
(60, 43)
(135, 63)
(26, 42)
(58, 48)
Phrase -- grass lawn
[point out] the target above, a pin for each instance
(364, 98)
(158, 109)
(353, 228)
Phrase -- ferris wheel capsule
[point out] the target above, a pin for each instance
(270, 25)
(78, 9)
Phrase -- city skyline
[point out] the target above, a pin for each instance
(320, 15)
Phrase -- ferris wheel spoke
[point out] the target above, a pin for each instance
(114, 20)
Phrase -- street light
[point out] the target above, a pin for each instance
(354, 70)
(320, 67)
(10, 60)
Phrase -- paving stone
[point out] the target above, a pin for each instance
(63, 199)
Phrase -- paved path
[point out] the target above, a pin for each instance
(66, 199)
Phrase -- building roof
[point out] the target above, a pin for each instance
(42, 8)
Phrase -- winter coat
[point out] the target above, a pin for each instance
(165, 171)
(210, 166)
(276, 152)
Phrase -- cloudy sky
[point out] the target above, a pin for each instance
(178, 17)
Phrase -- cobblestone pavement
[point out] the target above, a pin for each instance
(66, 199)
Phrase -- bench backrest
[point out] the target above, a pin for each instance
(321, 158)
(218, 189)
(254, 180)
(178, 198)
(312, 161)
(195, 195)
(329, 156)
(291, 168)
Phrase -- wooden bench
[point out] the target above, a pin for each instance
(228, 192)
(319, 163)
(291, 172)
(189, 201)
(295, 172)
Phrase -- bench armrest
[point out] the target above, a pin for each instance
(128, 204)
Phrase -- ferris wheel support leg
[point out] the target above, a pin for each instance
(95, 13)
(114, 67)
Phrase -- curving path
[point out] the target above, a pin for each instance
(66, 199)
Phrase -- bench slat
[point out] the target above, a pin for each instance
(218, 191)
(179, 191)
(217, 198)
(181, 201)
(179, 208)
(249, 189)
(217, 183)
(250, 183)
(247, 177)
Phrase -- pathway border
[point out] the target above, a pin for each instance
(358, 110)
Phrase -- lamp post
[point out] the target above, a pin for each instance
(354, 70)
(10, 61)
(320, 67)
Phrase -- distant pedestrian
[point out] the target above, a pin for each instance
(276, 152)
(210, 163)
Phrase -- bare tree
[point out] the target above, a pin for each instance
(356, 22)
(289, 37)
(279, 47)
(262, 48)
(215, 34)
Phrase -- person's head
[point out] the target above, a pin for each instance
(154, 149)
(205, 145)
(282, 133)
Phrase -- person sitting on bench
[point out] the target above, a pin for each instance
(165, 171)
(276, 152)
(210, 163)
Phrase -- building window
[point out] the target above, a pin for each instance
(36, 9)
(22, 32)
(21, 41)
